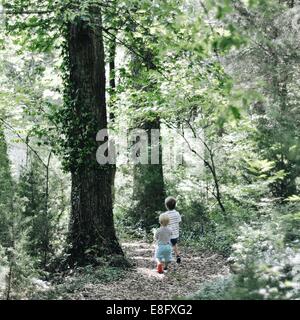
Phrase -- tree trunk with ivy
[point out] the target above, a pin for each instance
(91, 231)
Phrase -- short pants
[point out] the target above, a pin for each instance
(163, 253)
(174, 241)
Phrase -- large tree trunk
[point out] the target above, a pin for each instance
(148, 187)
(148, 181)
(91, 231)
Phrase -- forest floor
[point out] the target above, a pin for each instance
(143, 282)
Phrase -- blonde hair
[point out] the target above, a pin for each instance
(164, 219)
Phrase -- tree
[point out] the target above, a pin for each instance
(91, 229)
(148, 181)
(32, 187)
(6, 192)
(92, 232)
(272, 58)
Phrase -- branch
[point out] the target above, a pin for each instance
(114, 37)
(11, 12)
(211, 28)
(190, 147)
(198, 137)
(23, 140)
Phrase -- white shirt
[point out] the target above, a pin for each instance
(163, 235)
(175, 219)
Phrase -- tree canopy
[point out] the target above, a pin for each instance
(198, 99)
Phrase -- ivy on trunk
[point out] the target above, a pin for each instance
(91, 230)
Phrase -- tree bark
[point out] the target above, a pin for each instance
(148, 182)
(112, 95)
(46, 242)
(112, 77)
(148, 185)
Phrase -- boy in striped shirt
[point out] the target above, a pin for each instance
(175, 219)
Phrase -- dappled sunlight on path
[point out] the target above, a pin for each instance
(143, 282)
(151, 273)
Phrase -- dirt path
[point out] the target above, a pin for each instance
(144, 283)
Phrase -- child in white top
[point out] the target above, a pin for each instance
(175, 219)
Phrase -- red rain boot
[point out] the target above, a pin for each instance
(160, 268)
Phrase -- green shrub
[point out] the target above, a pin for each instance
(215, 290)
(291, 225)
(265, 261)
(264, 264)
(73, 283)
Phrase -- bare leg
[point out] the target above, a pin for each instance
(175, 248)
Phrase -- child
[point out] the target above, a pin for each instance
(175, 219)
(163, 252)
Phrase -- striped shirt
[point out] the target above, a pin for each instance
(175, 219)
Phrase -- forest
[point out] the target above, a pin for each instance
(108, 107)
